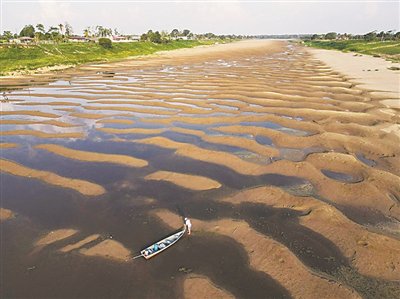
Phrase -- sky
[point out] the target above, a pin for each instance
(200, 16)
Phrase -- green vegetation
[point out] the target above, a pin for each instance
(105, 43)
(30, 57)
(387, 49)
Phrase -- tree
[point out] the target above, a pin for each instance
(370, 36)
(61, 26)
(40, 28)
(331, 35)
(53, 33)
(185, 32)
(155, 37)
(7, 35)
(87, 32)
(175, 33)
(105, 43)
(68, 29)
(143, 37)
(315, 36)
(28, 30)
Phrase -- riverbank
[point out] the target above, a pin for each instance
(22, 59)
(372, 73)
(389, 50)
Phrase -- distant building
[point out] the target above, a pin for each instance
(120, 39)
(180, 38)
(22, 40)
(77, 39)
(135, 38)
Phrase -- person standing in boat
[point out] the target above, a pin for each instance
(188, 225)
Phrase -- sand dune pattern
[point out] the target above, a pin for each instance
(277, 156)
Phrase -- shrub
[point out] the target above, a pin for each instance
(105, 43)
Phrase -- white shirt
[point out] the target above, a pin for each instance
(188, 223)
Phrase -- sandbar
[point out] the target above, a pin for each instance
(108, 249)
(192, 182)
(200, 287)
(55, 236)
(6, 214)
(92, 156)
(84, 187)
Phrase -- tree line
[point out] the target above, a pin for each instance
(62, 32)
(370, 36)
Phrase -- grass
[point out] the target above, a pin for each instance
(26, 58)
(386, 49)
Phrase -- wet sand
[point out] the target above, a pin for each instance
(6, 214)
(84, 187)
(202, 288)
(280, 262)
(192, 182)
(92, 156)
(8, 145)
(287, 165)
(108, 249)
(41, 134)
(55, 236)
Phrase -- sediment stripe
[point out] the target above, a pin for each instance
(84, 187)
(55, 236)
(31, 113)
(116, 121)
(216, 157)
(41, 134)
(8, 145)
(52, 122)
(200, 287)
(131, 131)
(92, 156)
(192, 182)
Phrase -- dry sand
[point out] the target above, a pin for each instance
(52, 122)
(116, 121)
(269, 256)
(192, 182)
(200, 287)
(41, 134)
(31, 113)
(92, 156)
(4, 145)
(108, 249)
(55, 236)
(6, 214)
(132, 131)
(370, 72)
(372, 254)
(84, 187)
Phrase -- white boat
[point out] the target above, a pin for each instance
(161, 245)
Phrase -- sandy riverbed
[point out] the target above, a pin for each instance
(284, 156)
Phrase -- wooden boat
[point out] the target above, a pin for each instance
(161, 245)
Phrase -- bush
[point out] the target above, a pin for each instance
(105, 43)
